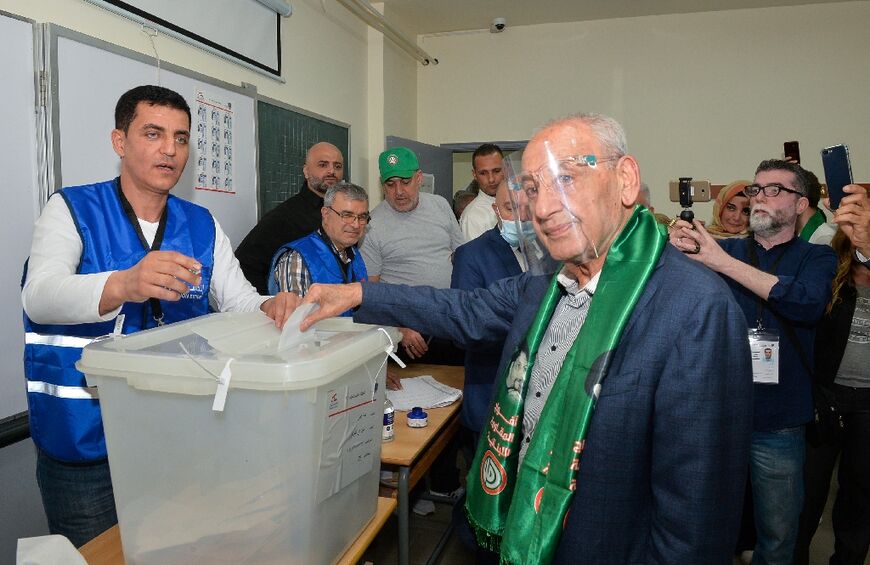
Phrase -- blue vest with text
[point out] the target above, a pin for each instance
(321, 262)
(65, 420)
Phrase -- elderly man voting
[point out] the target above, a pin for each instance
(619, 431)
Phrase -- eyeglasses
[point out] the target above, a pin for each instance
(770, 190)
(562, 175)
(349, 217)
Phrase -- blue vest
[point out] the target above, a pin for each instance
(321, 262)
(65, 419)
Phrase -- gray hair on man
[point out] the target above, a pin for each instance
(606, 129)
(351, 192)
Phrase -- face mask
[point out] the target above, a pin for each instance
(511, 236)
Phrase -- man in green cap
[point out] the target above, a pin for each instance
(410, 240)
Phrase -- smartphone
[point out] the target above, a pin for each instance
(700, 190)
(792, 149)
(838, 172)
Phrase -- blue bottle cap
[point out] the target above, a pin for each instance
(417, 412)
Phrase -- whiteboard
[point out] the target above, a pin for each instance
(90, 75)
(19, 194)
(254, 38)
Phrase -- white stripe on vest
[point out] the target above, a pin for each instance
(33, 338)
(61, 391)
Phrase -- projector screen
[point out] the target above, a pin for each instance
(244, 30)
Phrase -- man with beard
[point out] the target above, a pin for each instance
(411, 240)
(782, 284)
(294, 218)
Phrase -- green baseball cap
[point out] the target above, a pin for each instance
(398, 162)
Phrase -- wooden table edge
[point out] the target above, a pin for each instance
(106, 549)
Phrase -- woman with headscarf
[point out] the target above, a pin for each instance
(730, 212)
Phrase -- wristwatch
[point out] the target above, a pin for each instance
(864, 260)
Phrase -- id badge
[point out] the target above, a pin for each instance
(764, 347)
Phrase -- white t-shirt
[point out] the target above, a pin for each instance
(55, 294)
(478, 216)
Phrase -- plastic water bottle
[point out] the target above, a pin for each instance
(389, 416)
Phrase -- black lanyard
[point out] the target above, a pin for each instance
(156, 308)
(753, 260)
(346, 269)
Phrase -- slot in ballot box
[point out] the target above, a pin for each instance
(286, 472)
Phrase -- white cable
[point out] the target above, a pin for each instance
(151, 33)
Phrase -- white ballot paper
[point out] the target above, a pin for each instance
(423, 391)
(291, 336)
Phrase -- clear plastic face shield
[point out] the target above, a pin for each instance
(553, 184)
(535, 257)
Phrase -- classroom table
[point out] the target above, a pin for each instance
(105, 549)
(415, 449)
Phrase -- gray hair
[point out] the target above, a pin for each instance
(607, 131)
(351, 192)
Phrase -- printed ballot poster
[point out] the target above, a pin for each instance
(351, 437)
(214, 143)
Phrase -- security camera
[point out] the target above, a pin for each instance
(497, 25)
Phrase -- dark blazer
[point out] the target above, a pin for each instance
(477, 264)
(661, 479)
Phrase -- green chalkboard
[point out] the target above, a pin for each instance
(283, 137)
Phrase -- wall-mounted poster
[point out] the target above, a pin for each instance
(214, 144)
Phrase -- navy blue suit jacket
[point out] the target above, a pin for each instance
(662, 476)
(477, 264)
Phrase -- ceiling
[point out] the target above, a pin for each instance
(440, 16)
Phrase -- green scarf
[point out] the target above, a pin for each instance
(521, 512)
(814, 222)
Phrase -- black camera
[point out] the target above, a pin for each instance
(686, 199)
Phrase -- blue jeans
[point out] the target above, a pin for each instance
(776, 463)
(78, 498)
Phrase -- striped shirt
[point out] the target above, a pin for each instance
(292, 274)
(565, 324)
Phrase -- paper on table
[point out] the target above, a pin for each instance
(423, 391)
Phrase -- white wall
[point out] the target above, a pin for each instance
(323, 57)
(400, 87)
(706, 95)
